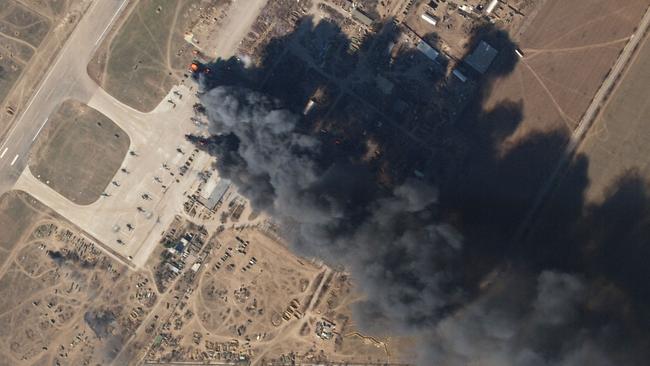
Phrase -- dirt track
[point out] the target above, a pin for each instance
(569, 49)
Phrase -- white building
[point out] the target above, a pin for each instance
(490, 8)
(429, 19)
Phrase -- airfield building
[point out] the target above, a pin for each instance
(427, 50)
(213, 192)
(490, 8)
(429, 19)
(482, 56)
(361, 17)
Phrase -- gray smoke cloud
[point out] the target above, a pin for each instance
(531, 321)
(407, 260)
(390, 241)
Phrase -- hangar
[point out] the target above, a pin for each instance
(213, 192)
(428, 51)
(482, 56)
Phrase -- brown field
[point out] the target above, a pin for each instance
(262, 301)
(273, 285)
(50, 9)
(78, 152)
(21, 32)
(569, 49)
(62, 300)
(619, 140)
(18, 212)
(148, 55)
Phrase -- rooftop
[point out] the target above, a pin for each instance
(428, 51)
(482, 56)
(213, 193)
(362, 17)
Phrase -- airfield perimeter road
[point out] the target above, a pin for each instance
(67, 78)
(588, 119)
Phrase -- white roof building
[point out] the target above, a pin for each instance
(481, 58)
(493, 4)
(429, 19)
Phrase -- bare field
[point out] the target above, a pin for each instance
(50, 8)
(569, 49)
(63, 301)
(17, 215)
(253, 297)
(619, 140)
(566, 24)
(270, 284)
(21, 32)
(148, 55)
(79, 152)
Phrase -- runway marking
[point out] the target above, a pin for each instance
(111, 22)
(4, 152)
(40, 128)
(52, 68)
(14, 161)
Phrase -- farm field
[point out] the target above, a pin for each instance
(569, 49)
(619, 141)
(78, 152)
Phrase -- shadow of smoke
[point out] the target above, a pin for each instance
(485, 191)
(607, 241)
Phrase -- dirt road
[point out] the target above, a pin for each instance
(584, 125)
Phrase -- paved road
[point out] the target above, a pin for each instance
(584, 125)
(67, 78)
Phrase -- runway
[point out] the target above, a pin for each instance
(66, 78)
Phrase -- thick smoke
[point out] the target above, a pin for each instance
(538, 321)
(407, 260)
(389, 240)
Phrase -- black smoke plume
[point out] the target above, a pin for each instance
(436, 257)
(391, 240)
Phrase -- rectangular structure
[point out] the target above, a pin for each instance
(361, 17)
(459, 75)
(429, 19)
(428, 51)
(482, 56)
(212, 194)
